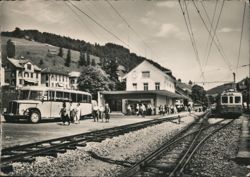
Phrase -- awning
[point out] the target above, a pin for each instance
(157, 92)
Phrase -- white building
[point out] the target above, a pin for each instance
(21, 72)
(145, 84)
(55, 78)
(148, 77)
(73, 78)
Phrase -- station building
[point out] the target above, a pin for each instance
(146, 84)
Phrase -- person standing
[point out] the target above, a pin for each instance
(107, 112)
(71, 112)
(101, 112)
(143, 110)
(95, 112)
(64, 114)
(78, 113)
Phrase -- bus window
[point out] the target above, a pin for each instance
(59, 96)
(79, 98)
(237, 99)
(36, 95)
(24, 95)
(51, 95)
(88, 99)
(231, 99)
(66, 96)
(84, 98)
(224, 99)
(46, 95)
(73, 97)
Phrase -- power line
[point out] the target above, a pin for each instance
(207, 44)
(191, 35)
(241, 34)
(129, 26)
(217, 45)
(97, 23)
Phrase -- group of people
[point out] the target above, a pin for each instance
(101, 112)
(71, 114)
(167, 109)
(139, 109)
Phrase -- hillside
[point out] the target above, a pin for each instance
(44, 41)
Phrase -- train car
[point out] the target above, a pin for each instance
(229, 104)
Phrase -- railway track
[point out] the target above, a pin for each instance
(172, 158)
(28, 152)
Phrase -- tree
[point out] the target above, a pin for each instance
(68, 59)
(94, 79)
(199, 94)
(88, 59)
(93, 62)
(190, 82)
(11, 51)
(60, 53)
(82, 61)
(41, 62)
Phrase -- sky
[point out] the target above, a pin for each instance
(154, 29)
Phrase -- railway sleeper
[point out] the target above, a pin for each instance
(81, 144)
(72, 147)
(52, 153)
(26, 159)
(7, 168)
(163, 166)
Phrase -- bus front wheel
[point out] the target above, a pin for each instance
(35, 117)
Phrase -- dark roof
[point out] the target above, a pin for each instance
(20, 63)
(55, 70)
(158, 92)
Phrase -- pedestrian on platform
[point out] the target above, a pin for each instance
(137, 109)
(143, 110)
(107, 112)
(101, 112)
(179, 119)
(78, 114)
(129, 110)
(64, 114)
(71, 112)
(95, 112)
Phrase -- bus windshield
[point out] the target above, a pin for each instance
(31, 95)
(24, 95)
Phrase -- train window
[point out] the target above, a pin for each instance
(224, 99)
(237, 99)
(231, 99)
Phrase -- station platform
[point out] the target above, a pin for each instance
(243, 156)
(22, 132)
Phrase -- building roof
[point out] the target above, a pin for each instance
(55, 70)
(74, 74)
(158, 92)
(165, 72)
(20, 63)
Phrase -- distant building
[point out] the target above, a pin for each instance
(145, 84)
(52, 52)
(22, 72)
(52, 77)
(73, 78)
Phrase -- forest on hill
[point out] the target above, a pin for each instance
(109, 51)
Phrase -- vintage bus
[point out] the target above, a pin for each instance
(36, 102)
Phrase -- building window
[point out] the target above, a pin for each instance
(29, 66)
(37, 75)
(145, 86)
(26, 74)
(135, 86)
(20, 81)
(47, 84)
(13, 82)
(31, 75)
(46, 77)
(13, 74)
(157, 86)
(145, 74)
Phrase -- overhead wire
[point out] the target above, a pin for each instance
(82, 21)
(130, 26)
(209, 44)
(98, 24)
(190, 35)
(216, 44)
(241, 34)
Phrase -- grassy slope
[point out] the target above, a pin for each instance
(36, 51)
